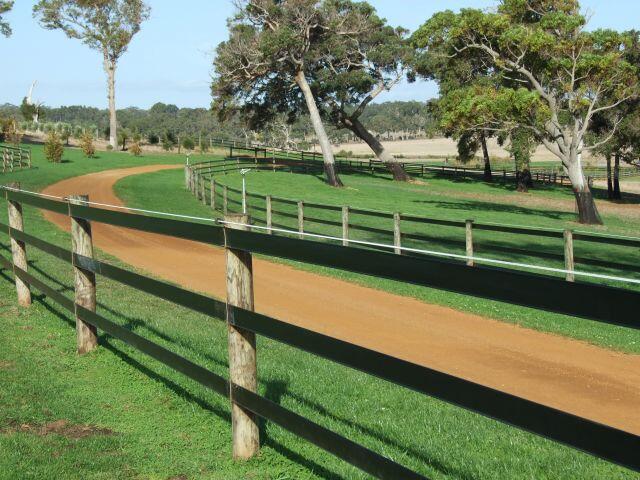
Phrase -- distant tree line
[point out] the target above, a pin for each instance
(389, 120)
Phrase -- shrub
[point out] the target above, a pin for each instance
(86, 144)
(109, 147)
(168, 141)
(153, 139)
(188, 143)
(135, 149)
(53, 149)
(204, 146)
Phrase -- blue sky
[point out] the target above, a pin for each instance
(170, 59)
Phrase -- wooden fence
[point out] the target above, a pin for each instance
(400, 227)
(603, 304)
(15, 158)
(539, 174)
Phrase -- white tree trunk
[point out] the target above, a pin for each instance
(110, 69)
(318, 126)
(587, 210)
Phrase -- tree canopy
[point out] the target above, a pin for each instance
(5, 6)
(107, 26)
(555, 76)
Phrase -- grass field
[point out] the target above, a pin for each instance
(128, 417)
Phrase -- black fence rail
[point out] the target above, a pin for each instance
(582, 300)
(565, 248)
(15, 158)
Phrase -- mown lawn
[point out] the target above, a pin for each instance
(139, 420)
(165, 191)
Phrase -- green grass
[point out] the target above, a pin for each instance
(165, 191)
(165, 426)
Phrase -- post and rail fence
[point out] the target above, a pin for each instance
(15, 158)
(403, 228)
(581, 300)
(260, 153)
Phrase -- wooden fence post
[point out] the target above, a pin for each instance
(301, 219)
(19, 249)
(203, 191)
(397, 234)
(469, 241)
(85, 281)
(225, 200)
(269, 214)
(345, 226)
(213, 193)
(242, 346)
(568, 255)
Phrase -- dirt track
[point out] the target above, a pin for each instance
(563, 373)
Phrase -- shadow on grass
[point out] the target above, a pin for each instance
(497, 207)
(276, 390)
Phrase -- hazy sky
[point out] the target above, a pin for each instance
(170, 59)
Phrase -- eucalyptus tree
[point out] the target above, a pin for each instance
(353, 70)
(107, 26)
(5, 6)
(625, 144)
(271, 46)
(560, 76)
(453, 72)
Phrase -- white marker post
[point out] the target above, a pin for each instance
(243, 172)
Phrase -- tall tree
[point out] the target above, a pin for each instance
(453, 72)
(352, 70)
(104, 25)
(271, 45)
(5, 6)
(625, 144)
(565, 74)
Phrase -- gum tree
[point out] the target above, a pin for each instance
(561, 75)
(272, 45)
(107, 26)
(5, 6)
(353, 70)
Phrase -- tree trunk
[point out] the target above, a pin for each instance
(381, 153)
(587, 210)
(609, 179)
(110, 68)
(323, 139)
(488, 177)
(616, 178)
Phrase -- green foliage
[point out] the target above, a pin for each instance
(86, 144)
(5, 6)
(188, 143)
(53, 148)
(28, 110)
(123, 136)
(168, 141)
(135, 149)
(106, 25)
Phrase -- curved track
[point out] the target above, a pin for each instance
(566, 374)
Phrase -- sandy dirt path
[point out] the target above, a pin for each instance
(570, 375)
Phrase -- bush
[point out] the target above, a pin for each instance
(87, 146)
(153, 139)
(168, 141)
(188, 143)
(135, 149)
(204, 146)
(53, 149)
(109, 147)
